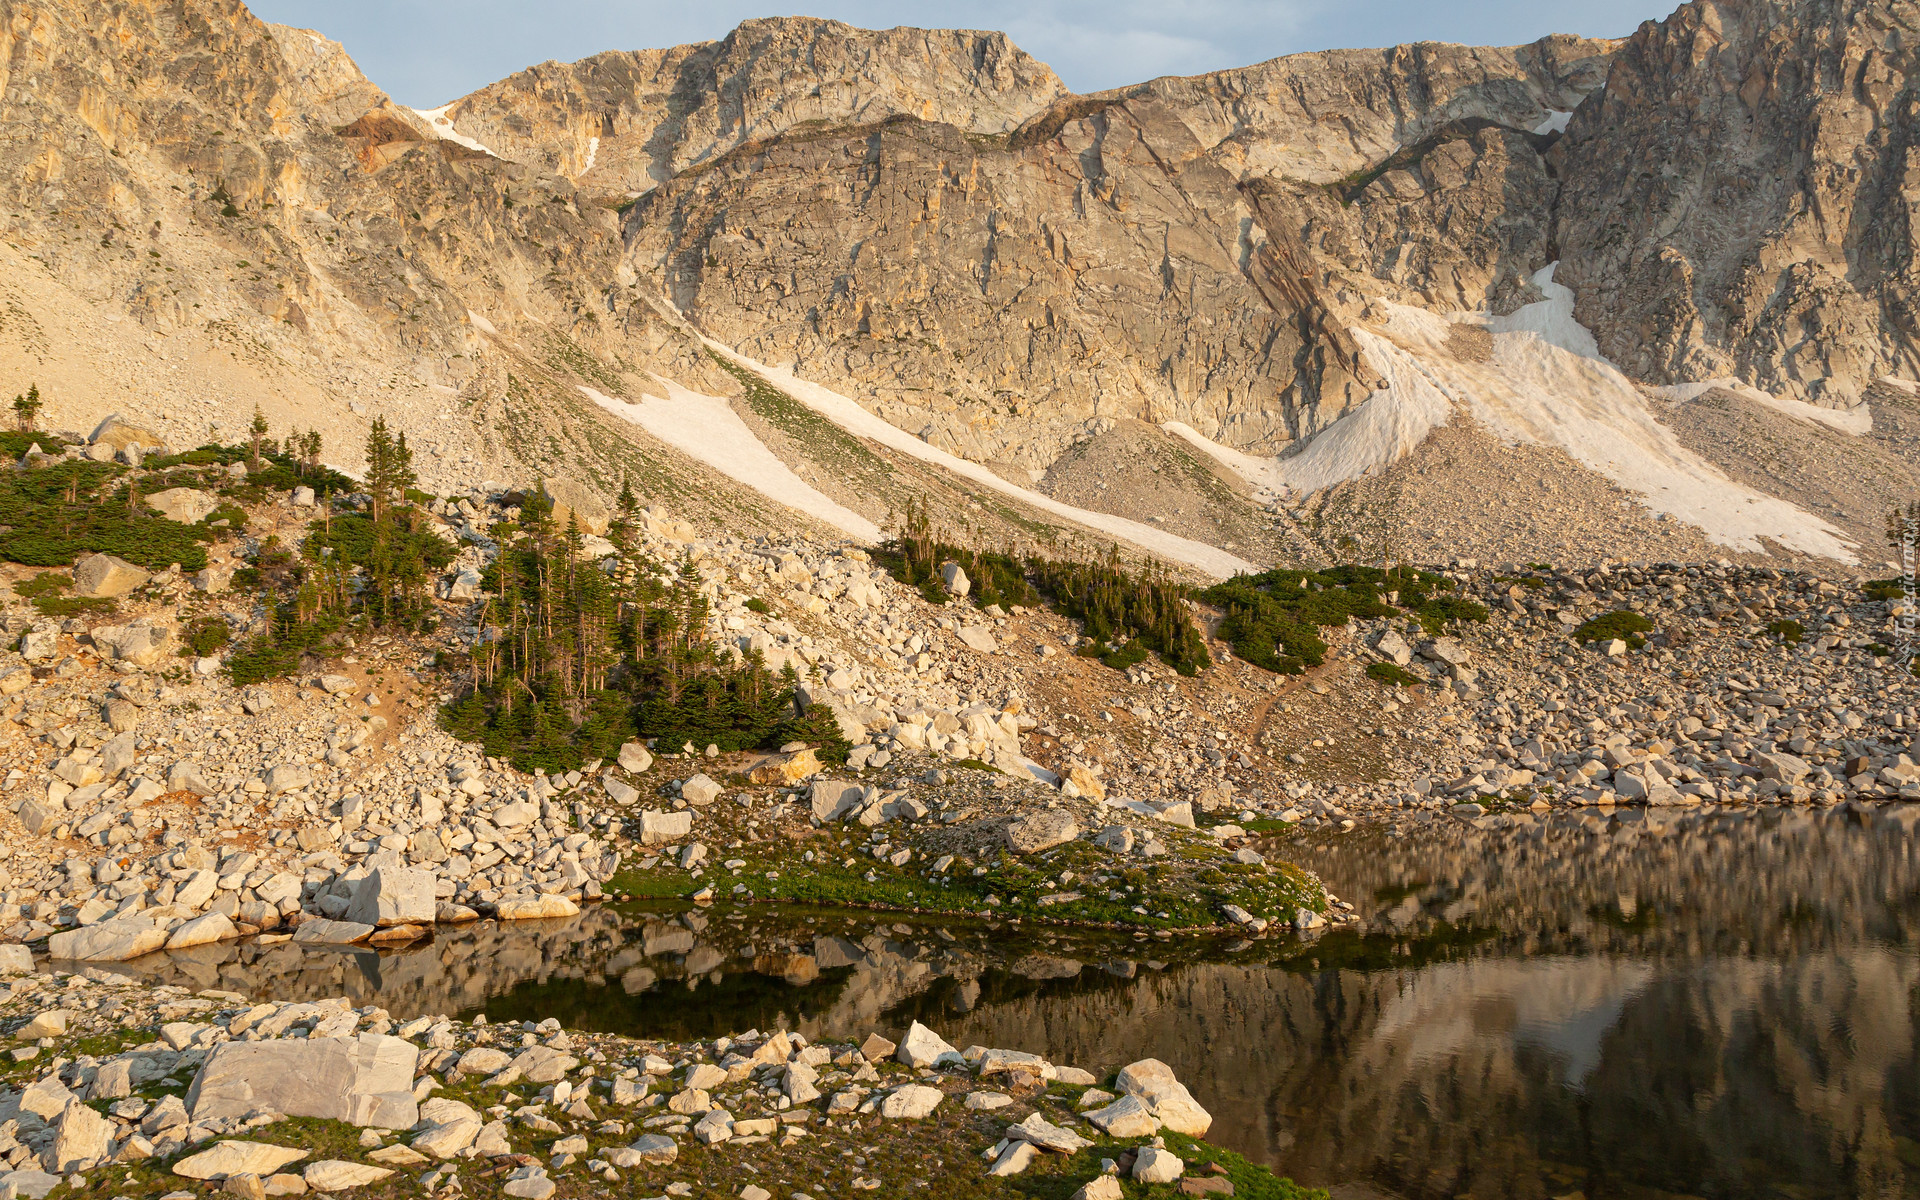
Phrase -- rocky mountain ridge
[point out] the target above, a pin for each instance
(209, 213)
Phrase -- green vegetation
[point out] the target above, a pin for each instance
(916, 557)
(373, 570)
(1885, 589)
(205, 636)
(1183, 891)
(1624, 624)
(1391, 673)
(1126, 616)
(1789, 631)
(1272, 619)
(26, 407)
(54, 514)
(577, 658)
(757, 605)
(44, 590)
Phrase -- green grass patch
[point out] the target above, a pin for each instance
(1789, 631)
(1884, 589)
(1624, 624)
(45, 592)
(1273, 619)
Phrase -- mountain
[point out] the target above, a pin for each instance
(1575, 299)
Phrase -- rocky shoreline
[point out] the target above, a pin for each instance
(159, 1091)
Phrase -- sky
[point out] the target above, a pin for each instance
(427, 52)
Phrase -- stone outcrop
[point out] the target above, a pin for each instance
(1738, 200)
(626, 120)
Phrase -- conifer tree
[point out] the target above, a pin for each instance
(257, 432)
(27, 407)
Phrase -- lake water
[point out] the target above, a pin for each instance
(1712, 1004)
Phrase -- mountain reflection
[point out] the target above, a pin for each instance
(1713, 1004)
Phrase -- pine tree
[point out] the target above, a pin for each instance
(258, 432)
(27, 407)
(389, 470)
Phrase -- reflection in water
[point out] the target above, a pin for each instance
(1713, 1005)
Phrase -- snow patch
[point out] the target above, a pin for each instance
(1857, 420)
(1547, 385)
(482, 324)
(1556, 122)
(849, 416)
(442, 124)
(593, 152)
(707, 428)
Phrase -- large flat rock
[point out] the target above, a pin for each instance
(366, 1080)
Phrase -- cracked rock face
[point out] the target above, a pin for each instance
(627, 120)
(1738, 200)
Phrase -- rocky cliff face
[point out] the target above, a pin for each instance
(1740, 199)
(205, 212)
(1144, 254)
(627, 120)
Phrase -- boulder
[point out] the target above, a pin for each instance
(105, 576)
(337, 1175)
(189, 506)
(1392, 647)
(1079, 781)
(51, 1023)
(1042, 830)
(656, 1149)
(785, 770)
(338, 685)
(448, 1138)
(365, 1080)
(82, 1139)
(954, 578)
(635, 757)
(516, 814)
(1786, 768)
(912, 1102)
(36, 644)
(619, 792)
(237, 1158)
(529, 908)
(288, 777)
(664, 828)
(1126, 1117)
(978, 637)
(922, 1047)
(1048, 1136)
(15, 959)
(117, 434)
(465, 585)
(573, 500)
(392, 896)
(831, 799)
(184, 776)
(116, 940)
(201, 931)
(1154, 1165)
(1165, 1096)
(319, 931)
(1015, 1158)
(1100, 1187)
(700, 791)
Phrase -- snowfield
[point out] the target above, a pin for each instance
(1545, 384)
(706, 428)
(442, 124)
(857, 421)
